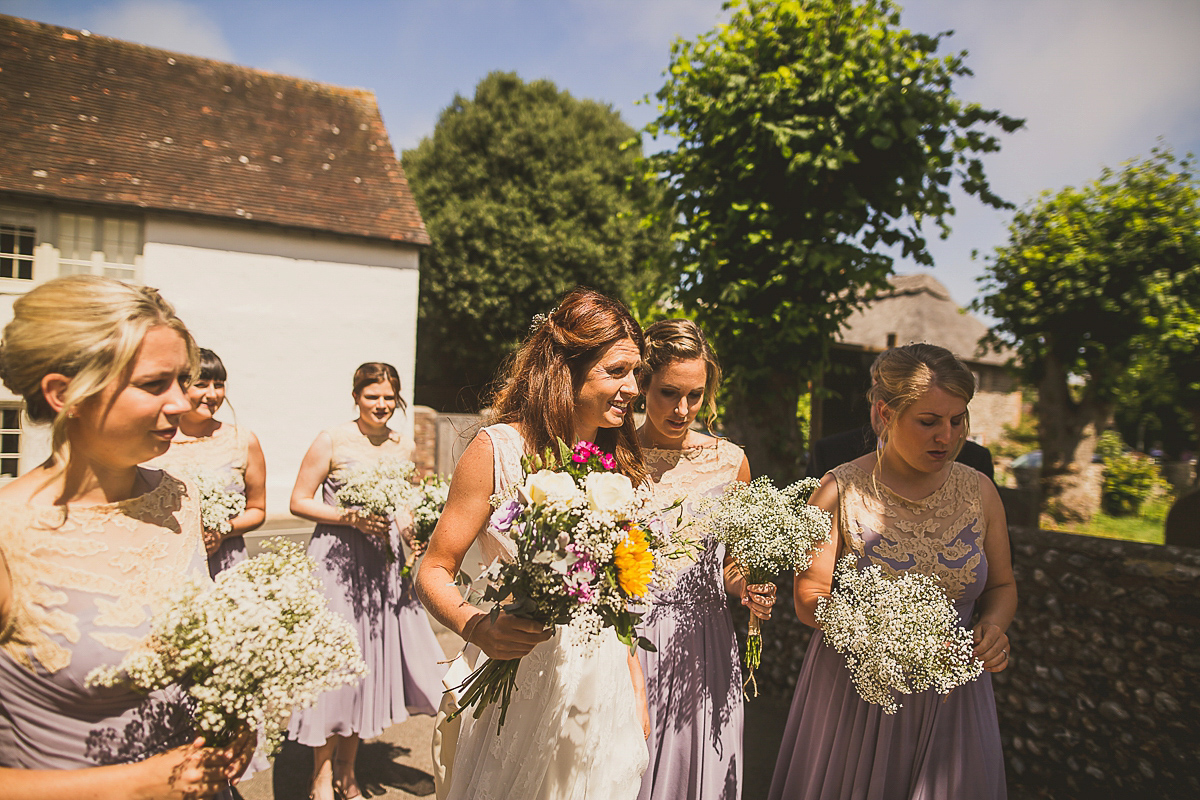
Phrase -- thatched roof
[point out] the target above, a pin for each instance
(918, 308)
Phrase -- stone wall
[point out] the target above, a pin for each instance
(1103, 696)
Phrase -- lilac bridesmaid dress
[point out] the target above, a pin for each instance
(836, 746)
(226, 453)
(694, 680)
(85, 586)
(397, 641)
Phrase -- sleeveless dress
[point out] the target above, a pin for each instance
(835, 745)
(572, 731)
(225, 453)
(86, 581)
(694, 680)
(395, 636)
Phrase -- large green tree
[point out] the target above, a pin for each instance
(815, 140)
(1096, 290)
(526, 192)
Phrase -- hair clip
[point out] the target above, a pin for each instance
(538, 321)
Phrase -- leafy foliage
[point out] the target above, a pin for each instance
(526, 192)
(1096, 291)
(1129, 480)
(812, 135)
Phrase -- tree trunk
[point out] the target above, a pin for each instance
(761, 417)
(1067, 433)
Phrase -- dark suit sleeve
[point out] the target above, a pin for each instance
(978, 457)
(818, 460)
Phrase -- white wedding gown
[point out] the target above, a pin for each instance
(573, 729)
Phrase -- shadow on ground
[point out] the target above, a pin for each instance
(376, 768)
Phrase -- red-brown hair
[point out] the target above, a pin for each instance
(541, 378)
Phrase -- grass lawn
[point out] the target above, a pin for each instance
(1134, 529)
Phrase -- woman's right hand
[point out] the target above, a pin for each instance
(370, 524)
(506, 637)
(191, 772)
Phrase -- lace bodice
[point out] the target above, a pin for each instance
(351, 447)
(86, 580)
(940, 535)
(224, 453)
(692, 475)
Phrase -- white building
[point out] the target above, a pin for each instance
(271, 211)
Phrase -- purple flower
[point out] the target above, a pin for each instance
(502, 518)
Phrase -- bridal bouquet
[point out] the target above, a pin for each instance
(766, 530)
(581, 557)
(379, 489)
(428, 498)
(249, 648)
(217, 505)
(898, 634)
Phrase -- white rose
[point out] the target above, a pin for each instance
(545, 486)
(608, 491)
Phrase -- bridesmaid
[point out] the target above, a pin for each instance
(88, 542)
(907, 506)
(693, 681)
(205, 444)
(350, 549)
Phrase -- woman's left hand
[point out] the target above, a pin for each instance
(212, 540)
(238, 754)
(991, 646)
(759, 598)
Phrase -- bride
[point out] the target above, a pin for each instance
(577, 723)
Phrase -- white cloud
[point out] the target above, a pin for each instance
(169, 24)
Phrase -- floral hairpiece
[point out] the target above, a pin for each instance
(540, 319)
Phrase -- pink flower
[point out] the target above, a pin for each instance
(607, 461)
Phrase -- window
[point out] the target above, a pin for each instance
(10, 441)
(88, 244)
(18, 235)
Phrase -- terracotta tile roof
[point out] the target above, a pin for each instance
(88, 118)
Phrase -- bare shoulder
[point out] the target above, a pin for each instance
(826, 495)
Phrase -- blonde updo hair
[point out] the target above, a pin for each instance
(86, 327)
(671, 340)
(900, 376)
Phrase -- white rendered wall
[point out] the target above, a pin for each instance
(291, 316)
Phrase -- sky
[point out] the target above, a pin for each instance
(1098, 81)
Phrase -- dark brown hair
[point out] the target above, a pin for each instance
(541, 378)
(671, 340)
(378, 372)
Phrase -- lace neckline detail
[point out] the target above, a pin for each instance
(223, 432)
(151, 496)
(932, 498)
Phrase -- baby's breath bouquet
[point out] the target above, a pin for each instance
(766, 530)
(428, 500)
(249, 648)
(378, 489)
(899, 634)
(217, 504)
(582, 557)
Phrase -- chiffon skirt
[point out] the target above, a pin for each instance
(838, 747)
(397, 641)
